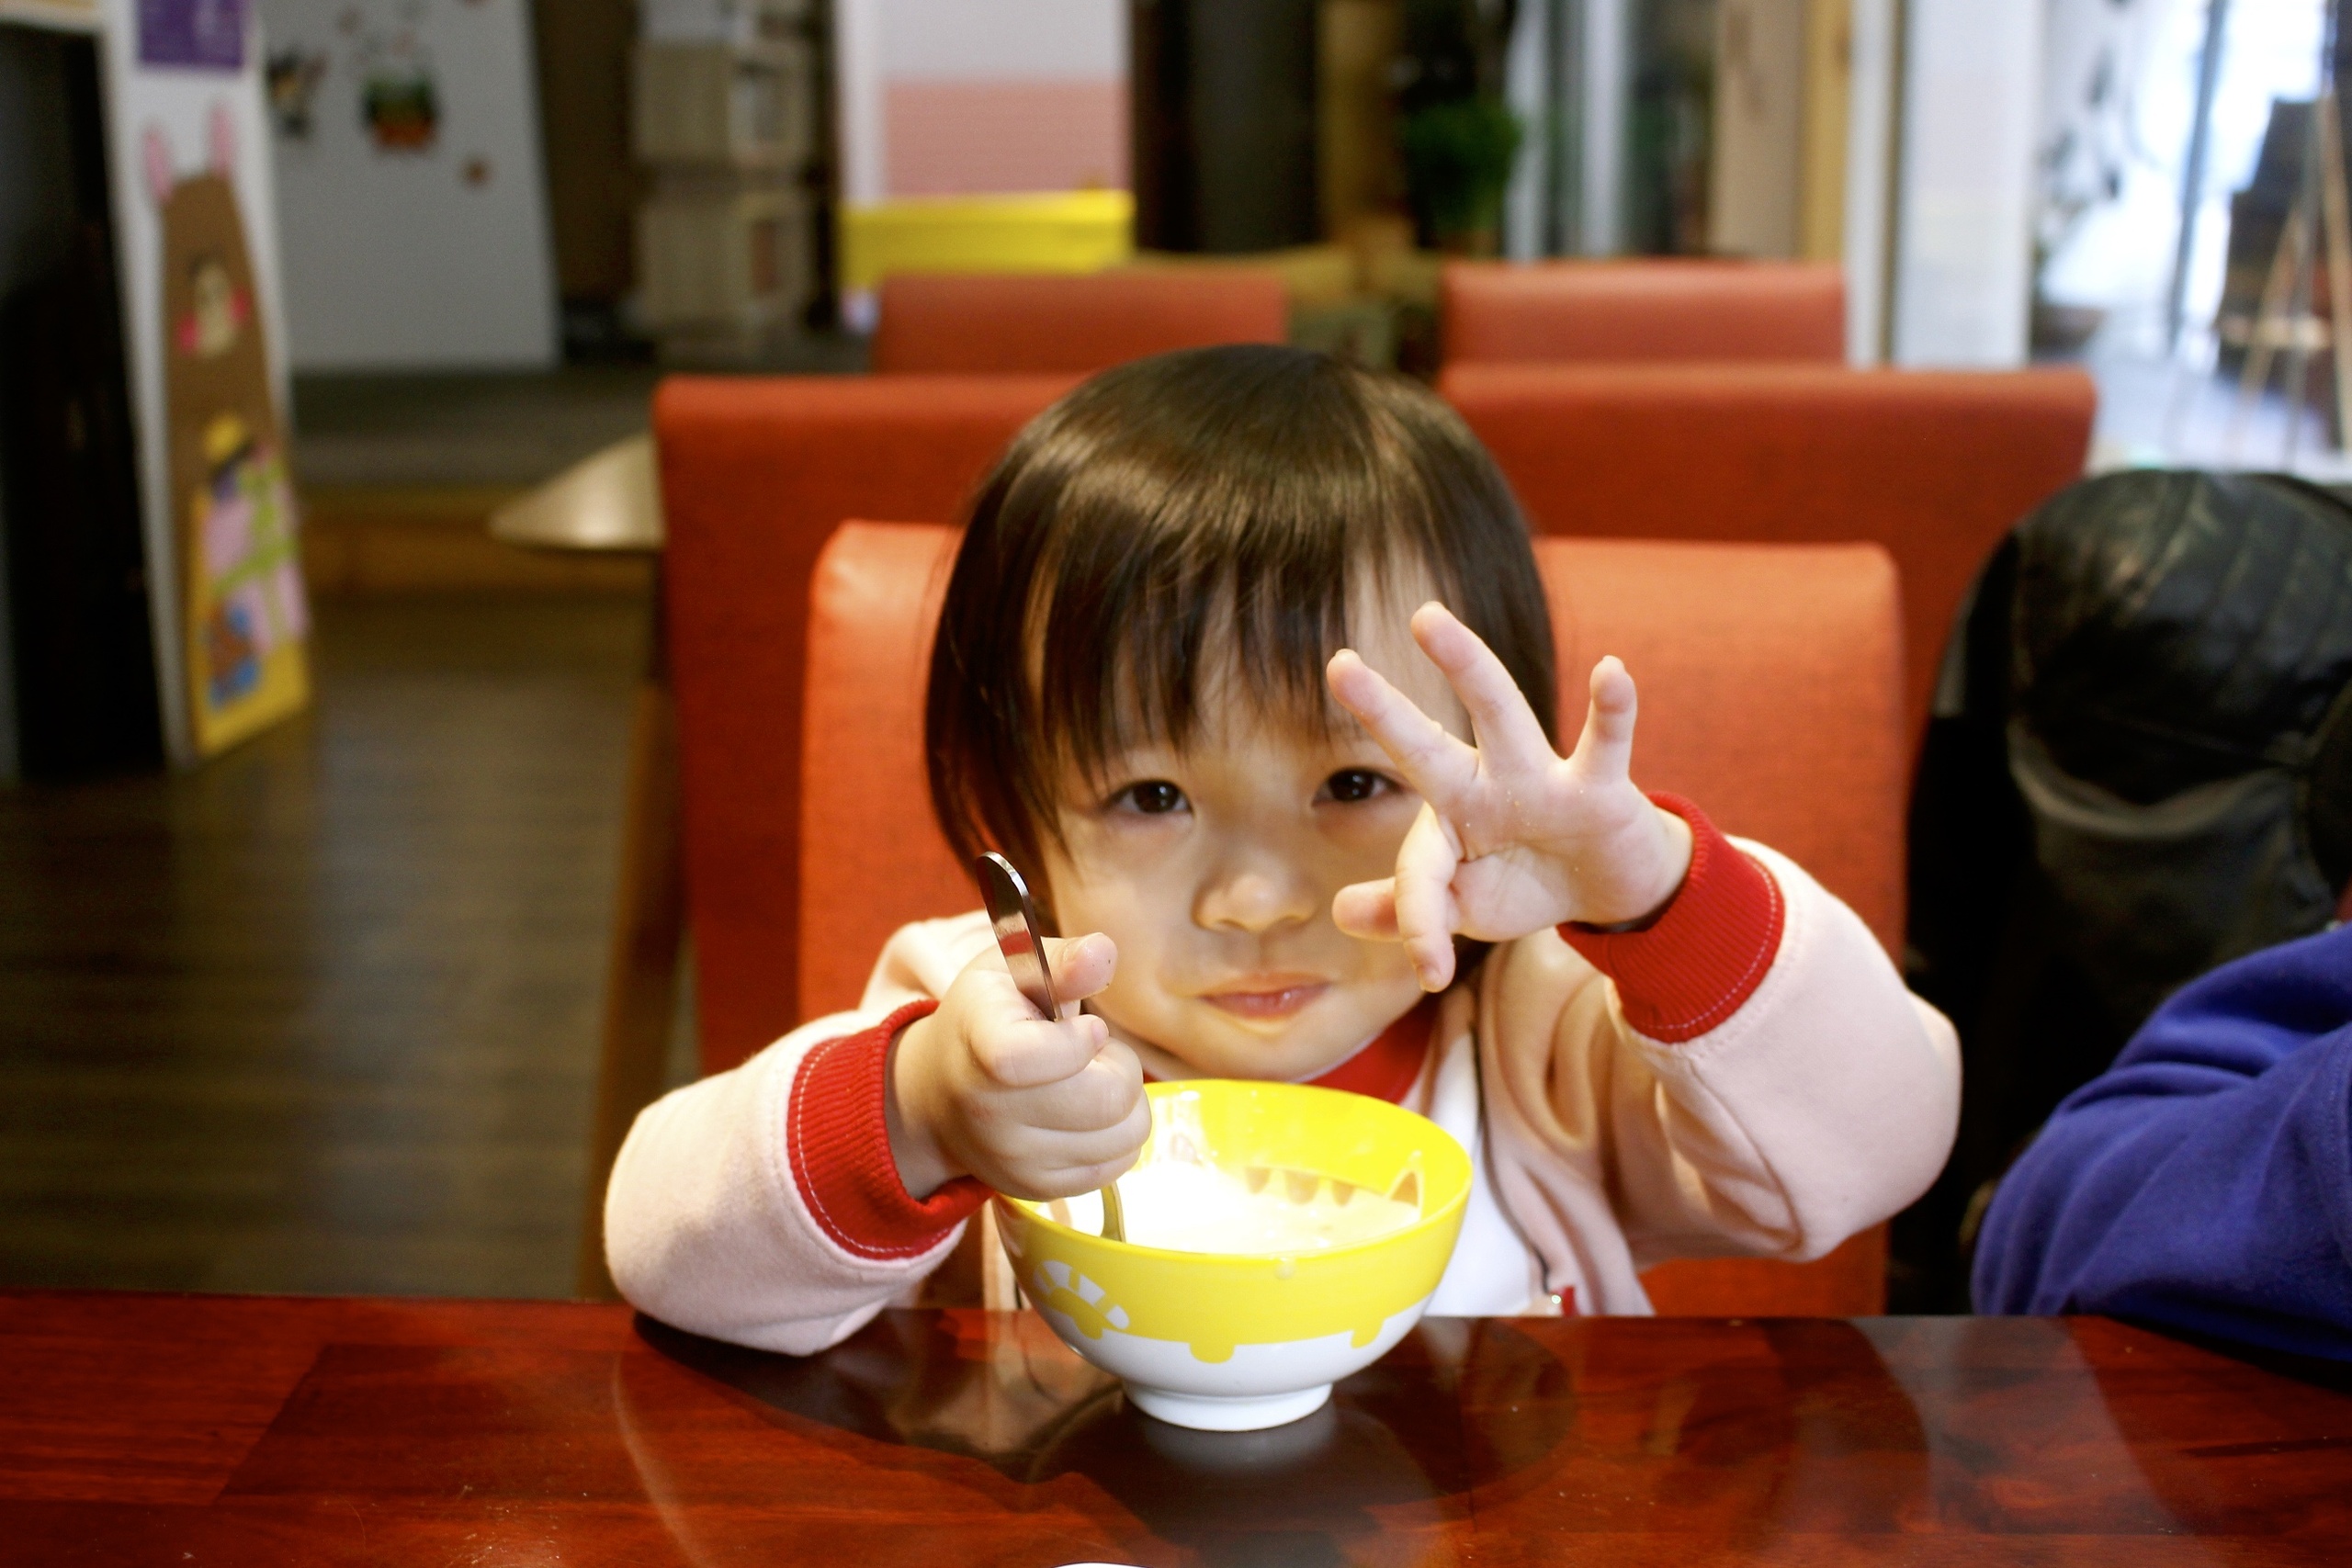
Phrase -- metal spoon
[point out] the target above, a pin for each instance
(1014, 917)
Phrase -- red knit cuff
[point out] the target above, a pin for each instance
(1690, 969)
(840, 1143)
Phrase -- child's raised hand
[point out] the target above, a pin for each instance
(1034, 1107)
(1511, 838)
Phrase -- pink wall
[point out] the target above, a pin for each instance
(971, 138)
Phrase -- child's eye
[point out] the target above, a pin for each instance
(1153, 798)
(1352, 785)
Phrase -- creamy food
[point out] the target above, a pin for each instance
(1185, 1207)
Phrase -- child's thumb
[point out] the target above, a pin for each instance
(1082, 965)
(1606, 746)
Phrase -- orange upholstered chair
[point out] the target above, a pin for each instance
(1021, 322)
(1770, 693)
(1638, 311)
(756, 473)
(1934, 465)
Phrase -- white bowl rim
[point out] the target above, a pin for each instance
(1031, 1211)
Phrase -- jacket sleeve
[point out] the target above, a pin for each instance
(763, 1206)
(1748, 1076)
(2205, 1179)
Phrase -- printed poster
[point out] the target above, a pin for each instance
(200, 34)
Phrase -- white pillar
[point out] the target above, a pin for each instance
(1608, 47)
(1963, 248)
(857, 82)
(1524, 70)
(1872, 100)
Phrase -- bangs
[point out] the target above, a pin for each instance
(1147, 616)
(1204, 528)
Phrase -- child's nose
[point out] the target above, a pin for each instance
(1254, 898)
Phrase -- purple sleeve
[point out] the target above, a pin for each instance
(2205, 1179)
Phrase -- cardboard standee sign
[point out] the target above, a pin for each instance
(243, 616)
(197, 259)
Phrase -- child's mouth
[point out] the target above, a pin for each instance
(1258, 1000)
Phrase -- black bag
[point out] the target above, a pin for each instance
(2138, 765)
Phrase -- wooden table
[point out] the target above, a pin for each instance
(192, 1429)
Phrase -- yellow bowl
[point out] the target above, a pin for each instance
(1233, 1342)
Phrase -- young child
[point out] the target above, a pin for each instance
(1653, 1042)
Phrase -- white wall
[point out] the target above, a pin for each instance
(885, 44)
(433, 258)
(1029, 39)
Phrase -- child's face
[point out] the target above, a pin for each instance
(1214, 870)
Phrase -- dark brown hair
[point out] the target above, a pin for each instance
(1183, 517)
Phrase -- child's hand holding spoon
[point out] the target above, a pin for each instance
(1036, 1102)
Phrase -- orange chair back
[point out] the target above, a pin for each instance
(1933, 465)
(1770, 693)
(1025, 324)
(1641, 312)
(756, 473)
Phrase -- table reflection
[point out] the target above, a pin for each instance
(1376, 1475)
(1545, 1440)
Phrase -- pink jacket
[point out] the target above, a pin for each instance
(1747, 1075)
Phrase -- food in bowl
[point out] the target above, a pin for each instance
(1187, 1205)
(1283, 1284)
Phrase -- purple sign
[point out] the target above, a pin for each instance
(207, 35)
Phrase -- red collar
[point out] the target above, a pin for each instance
(1389, 1066)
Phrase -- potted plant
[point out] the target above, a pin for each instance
(1458, 138)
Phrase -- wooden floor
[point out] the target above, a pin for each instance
(472, 429)
(322, 1016)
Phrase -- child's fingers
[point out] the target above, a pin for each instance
(1114, 1148)
(1068, 1180)
(1605, 751)
(1017, 1049)
(1435, 763)
(1424, 899)
(1101, 1095)
(1507, 728)
(1082, 966)
(1059, 1163)
(1367, 910)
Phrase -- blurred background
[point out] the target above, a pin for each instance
(310, 858)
